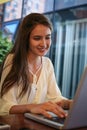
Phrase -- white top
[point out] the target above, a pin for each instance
(45, 89)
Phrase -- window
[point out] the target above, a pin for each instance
(13, 10)
(70, 48)
(40, 6)
(63, 4)
(9, 29)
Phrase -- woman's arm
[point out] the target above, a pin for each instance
(39, 109)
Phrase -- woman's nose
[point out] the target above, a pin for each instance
(43, 42)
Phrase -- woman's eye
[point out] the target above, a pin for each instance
(48, 37)
(37, 38)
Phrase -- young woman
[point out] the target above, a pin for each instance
(28, 82)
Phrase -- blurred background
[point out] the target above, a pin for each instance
(68, 51)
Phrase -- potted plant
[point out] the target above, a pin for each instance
(5, 46)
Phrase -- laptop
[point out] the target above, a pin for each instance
(77, 115)
(4, 126)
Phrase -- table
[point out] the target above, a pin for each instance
(19, 122)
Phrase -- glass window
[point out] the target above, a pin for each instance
(9, 29)
(50, 53)
(70, 48)
(13, 10)
(40, 6)
(63, 4)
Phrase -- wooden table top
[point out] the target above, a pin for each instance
(19, 122)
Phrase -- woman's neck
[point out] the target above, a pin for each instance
(34, 63)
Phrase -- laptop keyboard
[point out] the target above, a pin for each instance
(58, 120)
(55, 118)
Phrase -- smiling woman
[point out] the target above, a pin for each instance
(28, 81)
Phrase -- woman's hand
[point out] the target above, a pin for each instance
(48, 106)
(65, 103)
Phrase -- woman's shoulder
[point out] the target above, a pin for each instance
(47, 61)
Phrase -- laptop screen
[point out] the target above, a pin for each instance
(78, 113)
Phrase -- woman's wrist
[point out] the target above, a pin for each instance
(29, 107)
(21, 108)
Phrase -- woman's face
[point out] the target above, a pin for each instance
(40, 40)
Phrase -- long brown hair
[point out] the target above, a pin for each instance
(19, 69)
